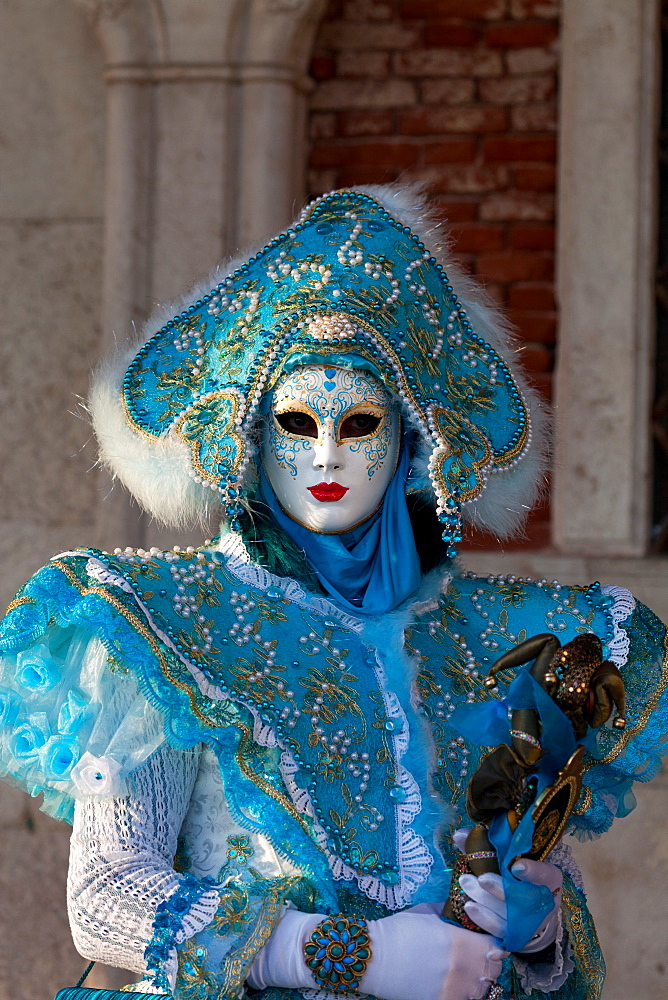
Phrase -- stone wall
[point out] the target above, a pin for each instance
(51, 161)
(51, 240)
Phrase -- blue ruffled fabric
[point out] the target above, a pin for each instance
(61, 699)
(64, 591)
(45, 696)
(385, 633)
(51, 711)
(216, 960)
(52, 604)
(168, 920)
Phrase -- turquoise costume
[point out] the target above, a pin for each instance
(325, 772)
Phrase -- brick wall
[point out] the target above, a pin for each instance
(462, 95)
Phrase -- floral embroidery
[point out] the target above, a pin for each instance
(327, 694)
(193, 982)
(233, 913)
(240, 849)
(202, 375)
(514, 594)
(329, 765)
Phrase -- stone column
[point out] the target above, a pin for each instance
(274, 86)
(608, 122)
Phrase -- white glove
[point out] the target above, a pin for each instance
(415, 956)
(488, 904)
(281, 961)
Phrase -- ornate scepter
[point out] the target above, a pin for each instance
(586, 689)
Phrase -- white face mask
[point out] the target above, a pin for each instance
(330, 446)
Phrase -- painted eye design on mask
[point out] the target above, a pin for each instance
(359, 425)
(297, 423)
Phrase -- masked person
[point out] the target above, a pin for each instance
(253, 739)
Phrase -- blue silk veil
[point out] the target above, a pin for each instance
(371, 569)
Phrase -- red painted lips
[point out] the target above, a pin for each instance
(327, 492)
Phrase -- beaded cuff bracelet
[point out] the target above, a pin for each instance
(338, 952)
(457, 895)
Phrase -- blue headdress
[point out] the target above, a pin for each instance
(353, 276)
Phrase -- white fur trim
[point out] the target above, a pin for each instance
(156, 470)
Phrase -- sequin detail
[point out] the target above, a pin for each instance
(518, 734)
(168, 921)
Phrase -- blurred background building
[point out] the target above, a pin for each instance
(144, 140)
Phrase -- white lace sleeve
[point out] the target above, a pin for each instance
(121, 864)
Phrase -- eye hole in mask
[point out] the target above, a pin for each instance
(359, 425)
(297, 422)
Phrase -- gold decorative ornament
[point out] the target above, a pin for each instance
(338, 952)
